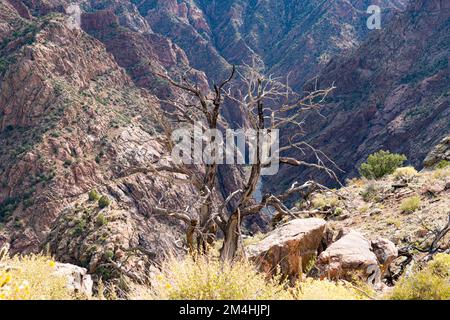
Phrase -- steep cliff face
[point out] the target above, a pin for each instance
(126, 34)
(291, 37)
(71, 120)
(186, 25)
(295, 38)
(392, 93)
(140, 53)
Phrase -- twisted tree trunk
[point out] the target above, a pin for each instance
(231, 243)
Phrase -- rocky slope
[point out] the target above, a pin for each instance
(390, 104)
(135, 46)
(392, 93)
(72, 120)
(376, 208)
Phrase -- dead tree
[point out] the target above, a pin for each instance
(267, 105)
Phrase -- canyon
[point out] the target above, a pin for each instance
(80, 108)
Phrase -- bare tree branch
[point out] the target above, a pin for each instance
(267, 104)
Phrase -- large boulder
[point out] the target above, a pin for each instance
(289, 248)
(348, 258)
(78, 281)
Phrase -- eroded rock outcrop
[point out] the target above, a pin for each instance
(290, 247)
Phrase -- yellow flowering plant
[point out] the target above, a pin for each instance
(31, 278)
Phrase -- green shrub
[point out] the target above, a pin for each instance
(430, 283)
(67, 163)
(109, 255)
(443, 164)
(58, 89)
(338, 211)
(380, 164)
(411, 204)
(104, 202)
(93, 195)
(3, 65)
(55, 134)
(80, 227)
(7, 207)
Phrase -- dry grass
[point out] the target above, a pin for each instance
(429, 283)
(31, 278)
(364, 209)
(443, 164)
(394, 222)
(405, 173)
(441, 174)
(372, 191)
(255, 239)
(321, 201)
(207, 279)
(357, 182)
(311, 289)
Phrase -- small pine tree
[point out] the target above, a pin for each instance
(381, 164)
